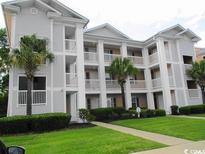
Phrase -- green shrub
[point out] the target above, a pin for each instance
(186, 110)
(196, 109)
(175, 110)
(192, 109)
(102, 114)
(119, 110)
(150, 113)
(125, 116)
(50, 121)
(34, 123)
(159, 113)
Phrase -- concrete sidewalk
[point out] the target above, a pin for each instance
(190, 117)
(195, 147)
(168, 140)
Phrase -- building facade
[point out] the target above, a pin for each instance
(78, 78)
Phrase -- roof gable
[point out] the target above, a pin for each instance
(48, 6)
(106, 30)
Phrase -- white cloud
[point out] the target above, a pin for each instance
(141, 18)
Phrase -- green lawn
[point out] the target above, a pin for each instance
(198, 115)
(94, 140)
(191, 129)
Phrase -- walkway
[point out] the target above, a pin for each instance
(190, 117)
(195, 147)
(168, 140)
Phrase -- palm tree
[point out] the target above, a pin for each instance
(198, 74)
(29, 57)
(120, 69)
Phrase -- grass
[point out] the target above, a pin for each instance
(95, 140)
(198, 115)
(186, 128)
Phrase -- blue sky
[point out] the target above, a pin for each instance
(140, 19)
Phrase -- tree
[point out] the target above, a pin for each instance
(121, 68)
(29, 57)
(4, 63)
(198, 74)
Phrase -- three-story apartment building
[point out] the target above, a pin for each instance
(78, 79)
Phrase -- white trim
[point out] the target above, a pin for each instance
(52, 74)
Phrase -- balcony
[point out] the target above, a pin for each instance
(38, 97)
(138, 84)
(193, 93)
(153, 58)
(136, 60)
(110, 57)
(156, 83)
(71, 80)
(70, 46)
(91, 57)
(187, 67)
(171, 81)
(112, 85)
(92, 84)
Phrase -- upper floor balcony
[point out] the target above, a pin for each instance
(112, 85)
(92, 84)
(138, 84)
(156, 83)
(71, 80)
(136, 60)
(153, 55)
(135, 55)
(91, 57)
(70, 46)
(193, 93)
(110, 57)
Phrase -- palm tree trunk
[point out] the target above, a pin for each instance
(29, 97)
(123, 95)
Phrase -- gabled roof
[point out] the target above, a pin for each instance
(179, 30)
(107, 30)
(50, 5)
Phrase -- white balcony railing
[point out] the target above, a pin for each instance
(156, 83)
(136, 60)
(110, 57)
(138, 84)
(70, 46)
(71, 79)
(153, 58)
(91, 57)
(92, 84)
(112, 84)
(38, 97)
(193, 93)
(187, 67)
(171, 81)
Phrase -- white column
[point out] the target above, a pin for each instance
(148, 80)
(101, 71)
(183, 79)
(127, 85)
(80, 67)
(51, 49)
(164, 75)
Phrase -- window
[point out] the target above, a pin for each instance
(38, 92)
(191, 84)
(187, 59)
(88, 103)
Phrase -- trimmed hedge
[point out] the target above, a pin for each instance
(152, 113)
(34, 123)
(192, 109)
(109, 114)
